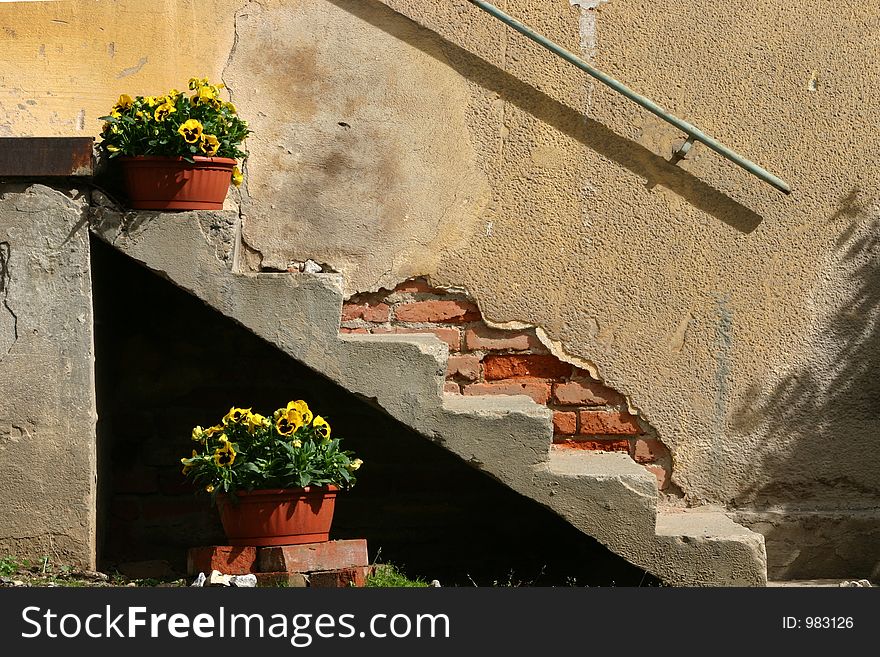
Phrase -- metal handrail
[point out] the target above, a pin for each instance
(693, 133)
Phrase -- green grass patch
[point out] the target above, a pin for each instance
(387, 576)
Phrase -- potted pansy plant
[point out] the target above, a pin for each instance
(274, 478)
(177, 151)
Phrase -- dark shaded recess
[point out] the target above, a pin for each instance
(166, 362)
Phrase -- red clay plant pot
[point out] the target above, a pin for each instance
(278, 517)
(156, 182)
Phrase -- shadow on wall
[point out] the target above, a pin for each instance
(629, 154)
(166, 362)
(821, 428)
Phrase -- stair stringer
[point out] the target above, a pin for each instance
(607, 496)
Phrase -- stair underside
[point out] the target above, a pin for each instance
(607, 496)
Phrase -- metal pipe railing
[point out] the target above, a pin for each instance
(693, 133)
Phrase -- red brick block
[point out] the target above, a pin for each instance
(380, 312)
(537, 389)
(584, 392)
(661, 474)
(451, 336)
(648, 450)
(467, 367)
(611, 445)
(496, 367)
(452, 388)
(605, 423)
(484, 338)
(285, 580)
(564, 423)
(415, 285)
(353, 330)
(330, 555)
(451, 311)
(340, 578)
(228, 559)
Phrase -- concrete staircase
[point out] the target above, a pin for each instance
(605, 495)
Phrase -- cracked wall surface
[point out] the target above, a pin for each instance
(47, 397)
(400, 138)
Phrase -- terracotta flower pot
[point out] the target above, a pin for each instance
(172, 183)
(278, 516)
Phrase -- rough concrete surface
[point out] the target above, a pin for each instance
(406, 137)
(47, 405)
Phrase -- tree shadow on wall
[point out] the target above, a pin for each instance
(626, 153)
(820, 425)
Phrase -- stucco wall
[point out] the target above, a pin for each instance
(399, 138)
(47, 396)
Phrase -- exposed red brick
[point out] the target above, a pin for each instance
(228, 559)
(353, 330)
(451, 336)
(452, 311)
(610, 445)
(537, 389)
(564, 423)
(484, 338)
(661, 474)
(648, 450)
(414, 285)
(342, 578)
(287, 580)
(604, 423)
(380, 312)
(452, 387)
(467, 367)
(496, 367)
(584, 392)
(330, 555)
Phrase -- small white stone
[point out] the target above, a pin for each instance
(200, 580)
(435, 583)
(312, 267)
(218, 579)
(243, 581)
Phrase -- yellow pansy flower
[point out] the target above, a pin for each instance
(206, 96)
(115, 113)
(225, 456)
(297, 443)
(210, 488)
(198, 434)
(237, 178)
(354, 465)
(210, 145)
(256, 421)
(191, 131)
(163, 111)
(113, 149)
(230, 107)
(236, 415)
(284, 426)
(321, 427)
(197, 82)
(173, 94)
(303, 409)
(210, 431)
(125, 101)
(152, 101)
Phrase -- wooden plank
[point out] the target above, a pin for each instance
(46, 156)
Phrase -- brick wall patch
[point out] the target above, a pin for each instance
(488, 361)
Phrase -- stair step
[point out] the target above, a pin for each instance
(696, 523)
